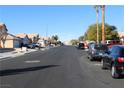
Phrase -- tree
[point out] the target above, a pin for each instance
(74, 42)
(55, 37)
(81, 38)
(110, 32)
(3, 34)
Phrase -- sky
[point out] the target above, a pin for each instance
(68, 22)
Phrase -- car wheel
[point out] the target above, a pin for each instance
(103, 64)
(114, 72)
(91, 58)
(88, 56)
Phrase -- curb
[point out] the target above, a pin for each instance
(20, 53)
(16, 54)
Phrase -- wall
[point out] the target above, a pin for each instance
(8, 44)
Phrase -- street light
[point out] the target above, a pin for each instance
(97, 24)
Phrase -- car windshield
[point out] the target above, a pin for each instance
(101, 47)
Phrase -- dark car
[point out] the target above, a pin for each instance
(33, 45)
(96, 51)
(81, 46)
(114, 60)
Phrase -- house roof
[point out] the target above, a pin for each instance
(11, 37)
(121, 34)
(44, 38)
(32, 35)
(23, 35)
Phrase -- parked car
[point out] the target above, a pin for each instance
(33, 45)
(30, 46)
(81, 46)
(90, 44)
(85, 45)
(110, 43)
(96, 51)
(114, 60)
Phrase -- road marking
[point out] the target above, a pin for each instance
(97, 64)
(34, 61)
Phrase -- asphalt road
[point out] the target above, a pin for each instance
(60, 67)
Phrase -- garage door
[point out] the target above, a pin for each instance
(15, 44)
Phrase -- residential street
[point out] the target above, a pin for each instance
(59, 67)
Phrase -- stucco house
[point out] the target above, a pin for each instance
(33, 37)
(25, 39)
(11, 41)
(121, 36)
(44, 41)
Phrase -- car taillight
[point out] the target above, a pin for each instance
(120, 59)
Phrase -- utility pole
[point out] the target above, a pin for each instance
(46, 30)
(103, 23)
(97, 23)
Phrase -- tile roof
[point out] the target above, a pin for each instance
(23, 35)
(121, 34)
(44, 38)
(32, 35)
(10, 36)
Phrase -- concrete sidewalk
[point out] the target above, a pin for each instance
(15, 53)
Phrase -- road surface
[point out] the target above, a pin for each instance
(60, 67)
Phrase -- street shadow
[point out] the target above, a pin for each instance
(22, 70)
